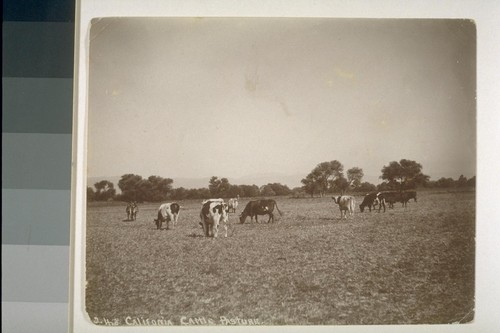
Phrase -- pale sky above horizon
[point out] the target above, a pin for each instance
(234, 97)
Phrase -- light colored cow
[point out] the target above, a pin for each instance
(168, 212)
(347, 203)
(213, 212)
(233, 204)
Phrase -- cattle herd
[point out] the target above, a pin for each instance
(215, 212)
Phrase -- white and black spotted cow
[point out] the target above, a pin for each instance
(371, 200)
(213, 213)
(168, 212)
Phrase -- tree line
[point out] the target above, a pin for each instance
(154, 189)
(326, 178)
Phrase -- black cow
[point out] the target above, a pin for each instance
(392, 197)
(371, 200)
(259, 207)
(406, 196)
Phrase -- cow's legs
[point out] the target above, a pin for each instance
(206, 228)
(204, 225)
(380, 206)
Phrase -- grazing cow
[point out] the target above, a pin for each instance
(233, 204)
(166, 213)
(259, 207)
(213, 212)
(371, 200)
(392, 197)
(132, 210)
(347, 203)
(406, 196)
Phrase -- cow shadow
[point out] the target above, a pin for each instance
(161, 229)
(195, 235)
(127, 220)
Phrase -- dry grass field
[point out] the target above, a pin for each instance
(405, 266)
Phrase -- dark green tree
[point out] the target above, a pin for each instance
(279, 189)
(462, 181)
(472, 182)
(249, 191)
(354, 176)
(90, 194)
(219, 187)
(129, 184)
(267, 191)
(406, 173)
(160, 188)
(366, 187)
(320, 179)
(104, 190)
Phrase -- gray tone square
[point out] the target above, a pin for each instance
(37, 105)
(35, 217)
(35, 273)
(36, 161)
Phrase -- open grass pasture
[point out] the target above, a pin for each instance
(405, 266)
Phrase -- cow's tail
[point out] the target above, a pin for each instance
(278, 208)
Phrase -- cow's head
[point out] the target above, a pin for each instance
(242, 218)
(361, 208)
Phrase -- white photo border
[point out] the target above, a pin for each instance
(485, 14)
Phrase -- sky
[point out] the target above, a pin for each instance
(239, 97)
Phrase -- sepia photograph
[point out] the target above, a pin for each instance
(270, 171)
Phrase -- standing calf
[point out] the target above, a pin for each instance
(346, 204)
(233, 204)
